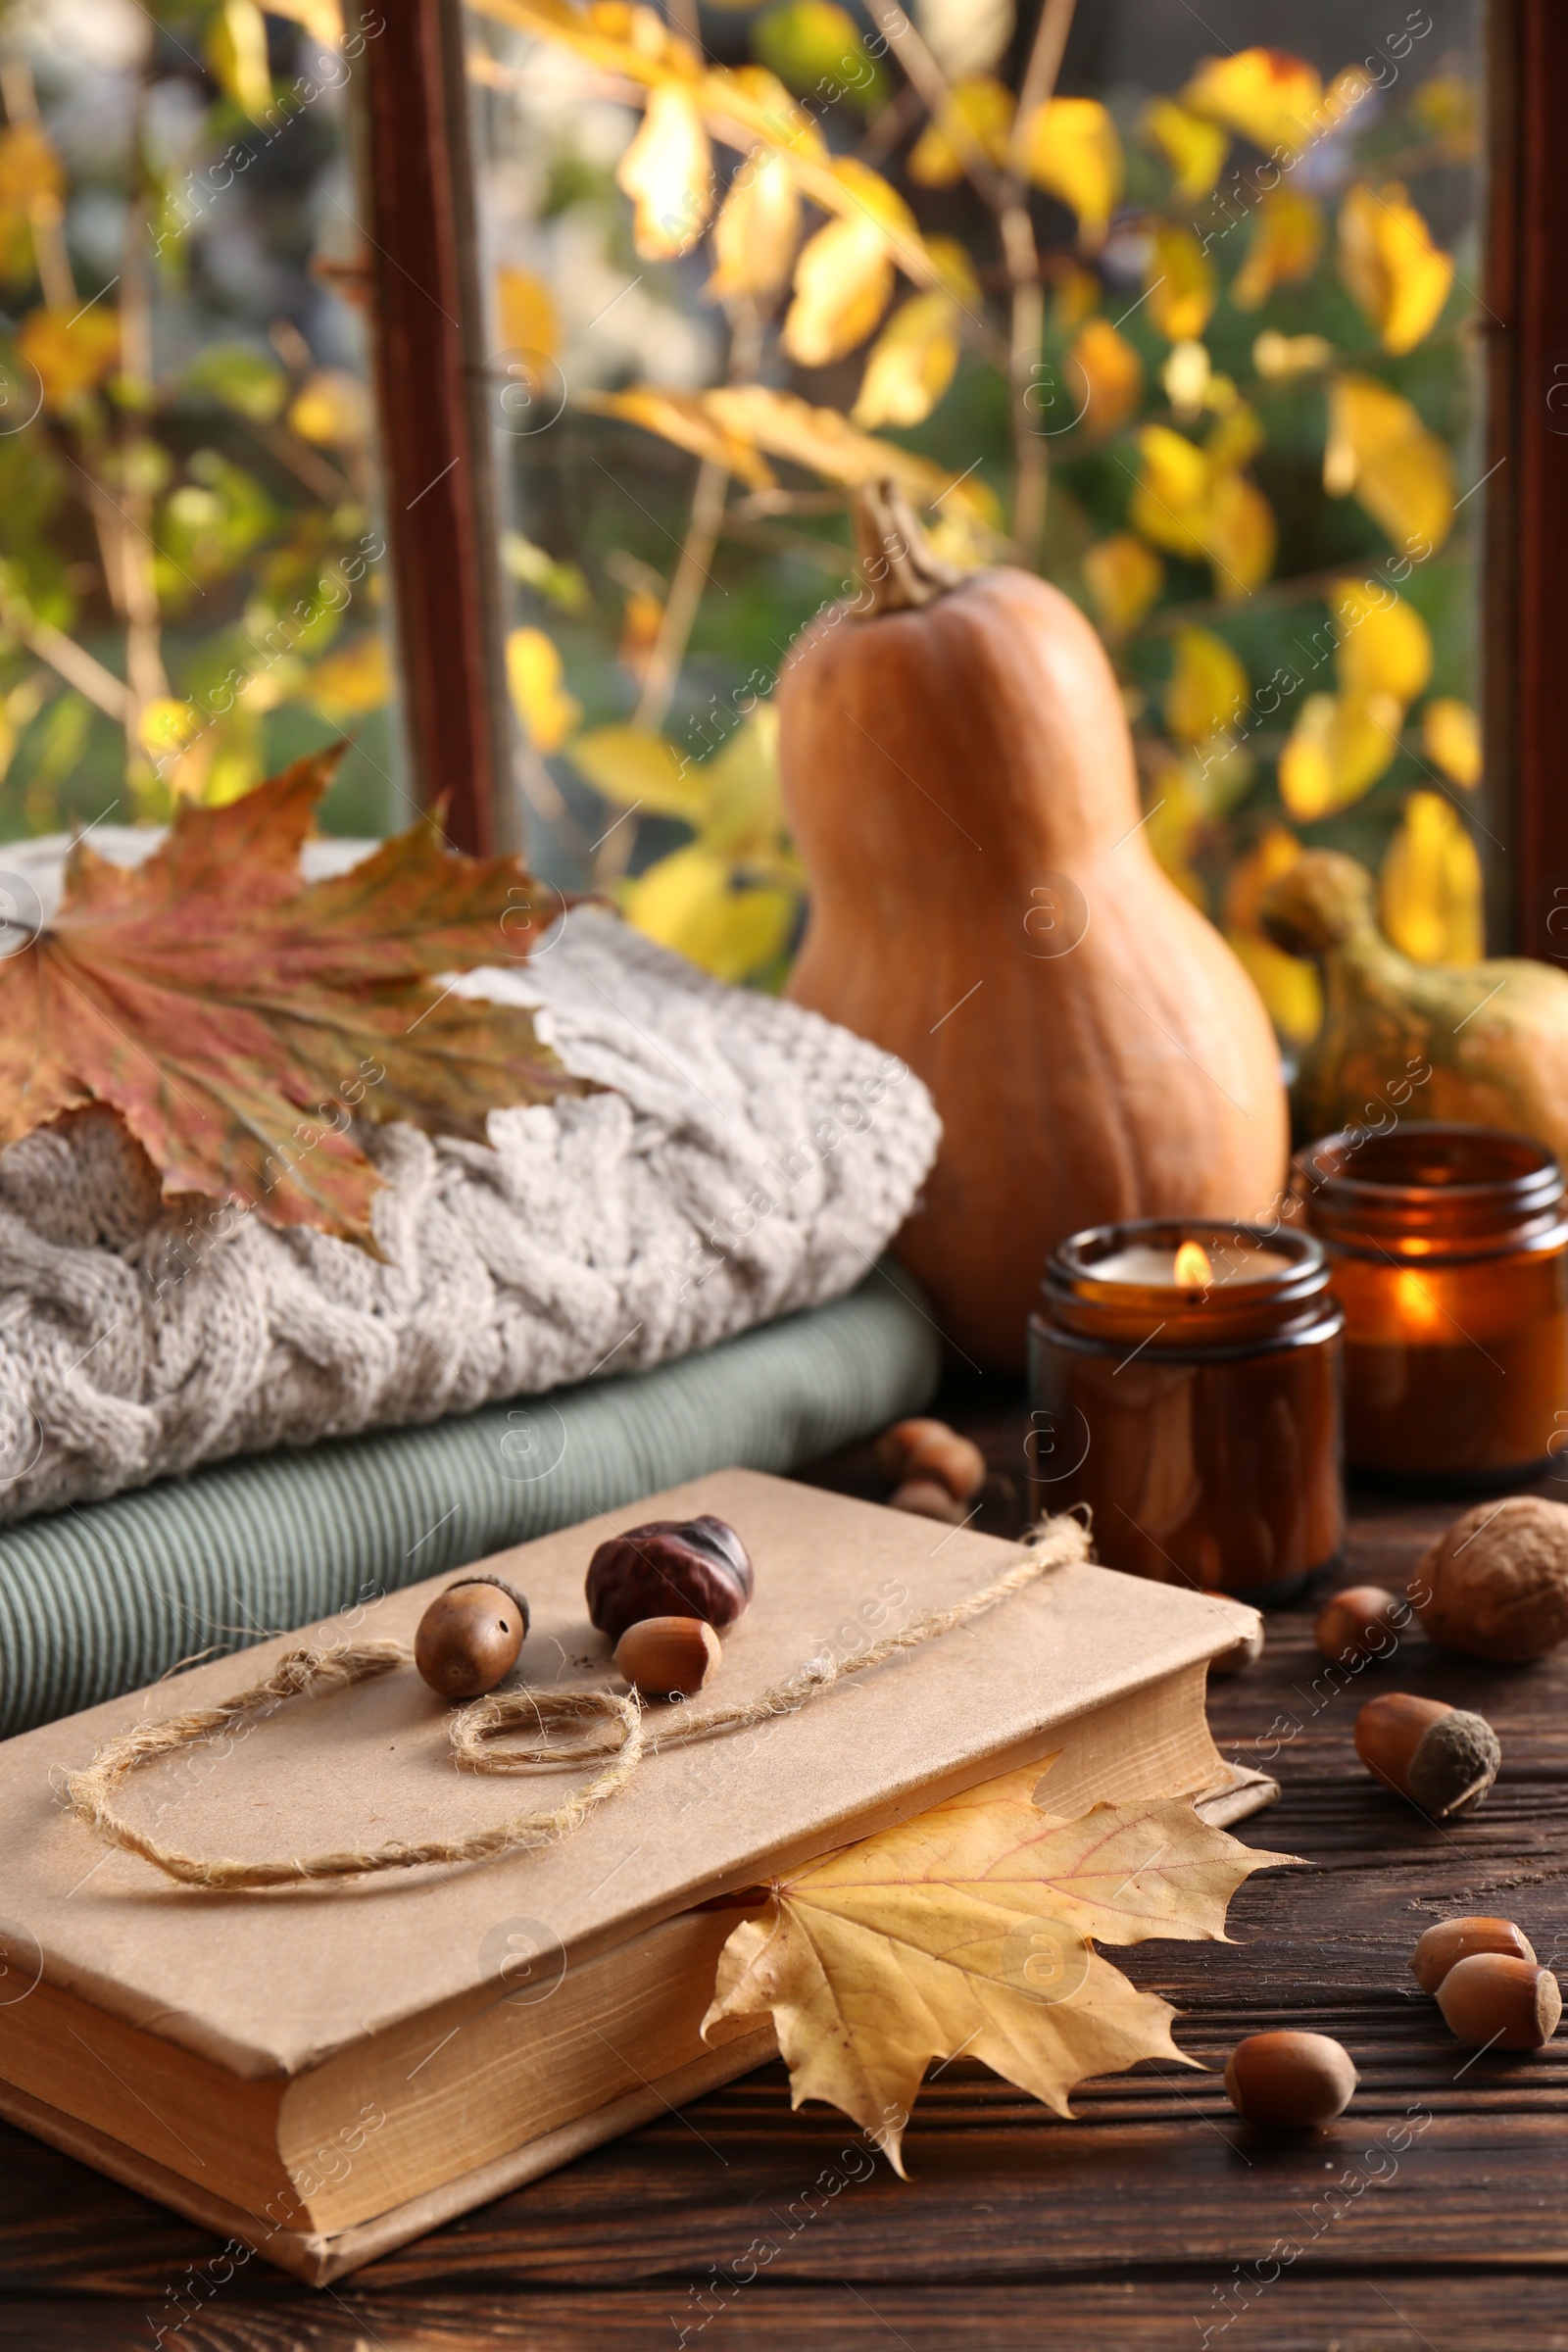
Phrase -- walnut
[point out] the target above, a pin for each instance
(1495, 1586)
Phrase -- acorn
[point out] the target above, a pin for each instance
(1289, 2078)
(1361, 1623)
(1449, 1941)
(469, 1636)
(668, 1657)
(1442, 1758)
(1492, 1999)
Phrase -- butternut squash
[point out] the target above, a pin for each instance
(959, 779)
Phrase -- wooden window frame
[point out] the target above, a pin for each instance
(440, 493)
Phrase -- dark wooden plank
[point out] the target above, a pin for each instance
(1430, 2212)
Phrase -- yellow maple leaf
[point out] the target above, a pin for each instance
(1193, 147)
(984, 109)
(1208, 687)
(1123, 577)
(525, 308)
(1393, 270)
(667, 171)
(1451, 734)
(1289, 985)
(1379, 448)
(534, 679)
(1107, 374)
(969, 1929)
(71, 354)
(912, 362)
(1285, 242)
(1431, 887)
(1385, 647)
(1070, 149)
(757, 232)
(1267, 95)
(1180, 278)
(1339, 746)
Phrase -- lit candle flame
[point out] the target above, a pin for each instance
(1194, 1269)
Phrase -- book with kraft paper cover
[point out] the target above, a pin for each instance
(323, 2071)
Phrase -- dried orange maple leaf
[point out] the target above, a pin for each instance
(969, 1929)
(238, 1018)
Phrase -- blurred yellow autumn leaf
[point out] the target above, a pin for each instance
(547, 713)
(71, 354)
(353, 681)
(236, 50)
(1195, 148)
(1187, 375)
(1339, 746)
(332, 409)
(1195, 502)
(1070, 149)
(1277, 358)
(634, 767)
(166, 723)
(1265, 94)
(912, 362)
(1394, 273)
(1379, 448)
(667, 172)
(1445, 110)
(1123, 577)
(1384, 644)
(757, 232)
(30, 174)
(687, 419)
(1208, 687)
(1180, 278)
(1431, 892)
(1450, 731)
(526, 312)
(844, 277)
(1105, 374)
(1285, 242)
(984, 109)
(690, 902)
(322, 20)
(828, 444)
(1289, 985)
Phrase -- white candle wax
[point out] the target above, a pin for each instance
(1152, 1268)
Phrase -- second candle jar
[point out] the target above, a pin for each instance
(1200, 1423)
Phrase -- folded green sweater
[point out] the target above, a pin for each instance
(101, 1597)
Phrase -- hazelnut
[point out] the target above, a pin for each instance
(895, 1446)
(1495, 1586)
(954, 1462)
(930, 1499)
(1492, 1999)
(1361, 1623)
(1440, 1758)
(668, 1657)
(670, 1568)
(1451, 1941)
(469, 1636)
(1290, 2078)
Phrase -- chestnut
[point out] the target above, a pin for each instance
(670, 1568)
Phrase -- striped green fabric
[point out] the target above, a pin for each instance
(100, 1599)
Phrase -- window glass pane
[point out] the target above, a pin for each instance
(1210, 361)
(191, 574)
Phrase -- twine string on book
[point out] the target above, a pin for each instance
(617, 1740)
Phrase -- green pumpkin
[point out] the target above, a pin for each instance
(1482, 1042)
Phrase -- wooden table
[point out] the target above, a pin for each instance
(1434, 2212)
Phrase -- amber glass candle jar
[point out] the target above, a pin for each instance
(1448, 1251)
(1197, 1414)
